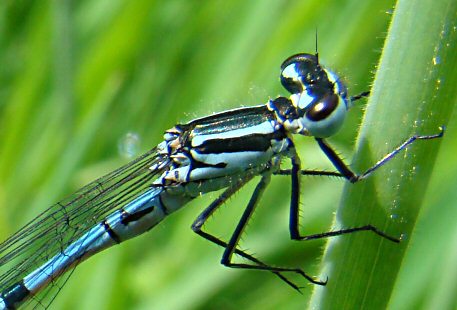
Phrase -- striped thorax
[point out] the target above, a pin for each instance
(230, 143)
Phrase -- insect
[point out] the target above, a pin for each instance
(223, 151)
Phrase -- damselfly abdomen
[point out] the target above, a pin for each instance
(221, 151)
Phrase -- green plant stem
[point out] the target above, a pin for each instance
(413, 93)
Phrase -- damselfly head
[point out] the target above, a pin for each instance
(302, 72)
(318, 95)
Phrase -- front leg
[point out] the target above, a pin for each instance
(351, 176)
(343, 171)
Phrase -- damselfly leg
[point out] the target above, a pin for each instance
(351, 176)
(231, 246)
(359, 96)
(344, 171)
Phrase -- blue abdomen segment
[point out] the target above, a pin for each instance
(135, 218)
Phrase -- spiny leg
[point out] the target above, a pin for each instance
(344, 171)
(310, 173)
(232, 244)
(295, 206)
(203, 217)
(359, 96)
(352, 176)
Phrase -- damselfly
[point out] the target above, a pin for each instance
(219, 152)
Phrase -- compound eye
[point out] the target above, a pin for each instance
(291, 79)
(325, 116)
(297, 70)
(323, 108)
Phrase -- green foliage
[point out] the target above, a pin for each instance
(413, 93)
(77, 77)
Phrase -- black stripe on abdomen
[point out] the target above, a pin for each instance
(247, 143)
(15, 295)
(111, 232)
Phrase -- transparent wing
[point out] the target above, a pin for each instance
(67, 220)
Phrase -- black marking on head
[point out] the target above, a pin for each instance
(283, 108)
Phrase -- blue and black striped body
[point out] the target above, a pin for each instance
(221, 151)
(224, 145)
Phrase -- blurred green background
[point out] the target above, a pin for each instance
(79, 79)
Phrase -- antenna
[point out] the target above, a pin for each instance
(317, 53)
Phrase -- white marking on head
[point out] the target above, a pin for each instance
(290, 72)
(301, 100)
(334, 79)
